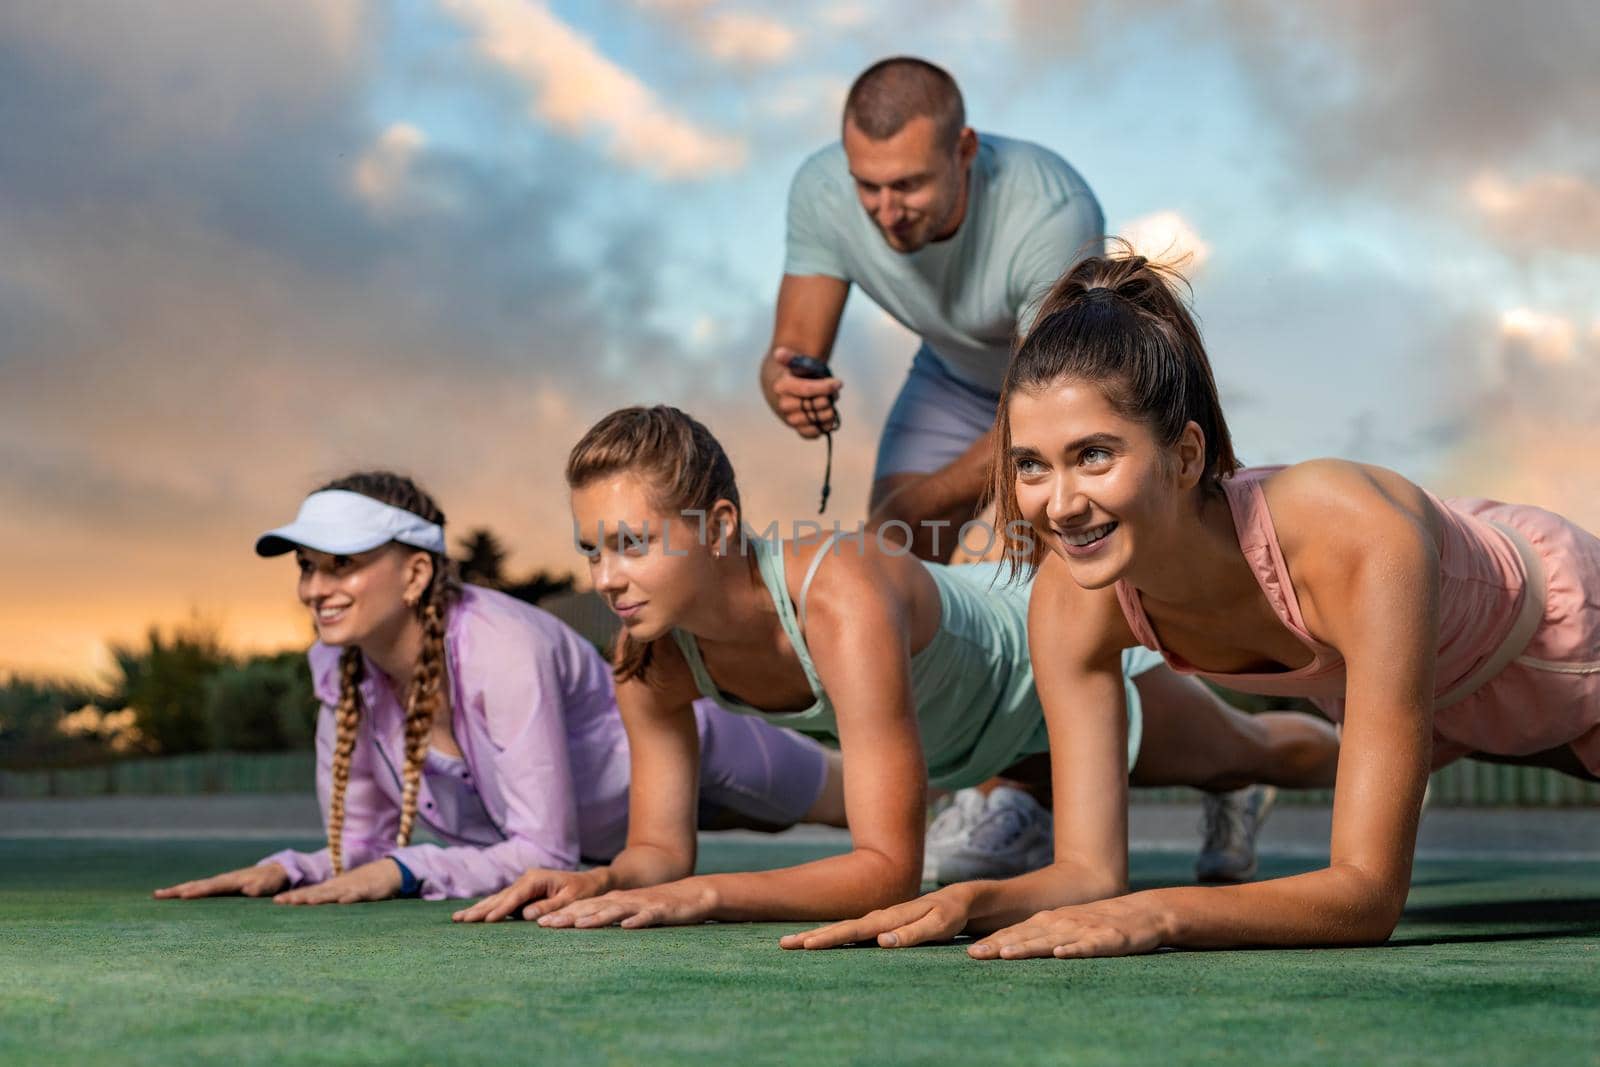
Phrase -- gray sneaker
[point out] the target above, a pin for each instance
(1011, 835)
(1232, 821)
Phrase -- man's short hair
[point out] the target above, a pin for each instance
(893, 91)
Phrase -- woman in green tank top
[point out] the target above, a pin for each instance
(916, 671)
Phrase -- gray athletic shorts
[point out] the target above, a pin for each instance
(935, 418)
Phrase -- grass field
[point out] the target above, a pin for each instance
(1494, 963)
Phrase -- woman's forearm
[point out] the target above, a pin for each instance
(833, 888)
(639, 866)
(1339, 905)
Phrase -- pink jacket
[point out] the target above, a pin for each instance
(534, 714)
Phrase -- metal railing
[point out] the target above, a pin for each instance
(1462, 784)
(200, 773)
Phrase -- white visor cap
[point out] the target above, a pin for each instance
(343, 523)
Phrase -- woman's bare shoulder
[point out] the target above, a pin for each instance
(1326, 504)
(848, 573)
(1342, 525)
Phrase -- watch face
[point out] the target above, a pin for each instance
(808, 367)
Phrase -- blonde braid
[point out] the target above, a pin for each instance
(427, 691)
(347, 717)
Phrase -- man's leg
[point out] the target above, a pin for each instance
(933, 460)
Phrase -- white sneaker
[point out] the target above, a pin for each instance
(950, 825)
(1011, 835)
(1231, 823)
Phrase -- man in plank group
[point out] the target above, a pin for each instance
(957, 235)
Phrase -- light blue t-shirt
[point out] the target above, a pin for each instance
(1029, 217)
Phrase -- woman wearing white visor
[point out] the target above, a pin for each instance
(486, 718)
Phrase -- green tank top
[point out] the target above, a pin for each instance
(973, 683)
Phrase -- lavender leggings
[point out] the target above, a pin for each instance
(753, 771)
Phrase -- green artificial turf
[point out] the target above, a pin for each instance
(1495, 963)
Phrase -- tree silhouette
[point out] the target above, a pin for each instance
(538, 585)
(483, 558)
(483, 562)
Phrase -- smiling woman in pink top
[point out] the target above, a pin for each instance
(1433, 629)
(487, 719)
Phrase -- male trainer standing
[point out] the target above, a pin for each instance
(958, 236)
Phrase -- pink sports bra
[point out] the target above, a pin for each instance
(1487, 614)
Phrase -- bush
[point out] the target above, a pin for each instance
(265, 704)
(30, 711)
(166, 683)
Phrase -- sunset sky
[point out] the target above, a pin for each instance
(246, 247)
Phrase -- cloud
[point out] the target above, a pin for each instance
(1526, 334)
(181, 69)
(674, 7)
(802, 106)
(1535, 428)
(1551, 211)
(747, 39)
(844, 16)
(1376, 89)
(1167, 237)
(1049, 29)
(1364, 91)
(380, 174)
(579, 91)
(1546, 364)
(1358, 361)
(744, 39)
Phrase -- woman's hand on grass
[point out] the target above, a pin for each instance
(260, 881)
(378, 880)
(672, 904)
(937, 916)
(540, 890)
(1122, 926)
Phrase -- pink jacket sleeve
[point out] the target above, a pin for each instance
(371, 818)
(515, 688)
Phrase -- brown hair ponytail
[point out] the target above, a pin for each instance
(676, 455)
(426, 691)
(1116, 321)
